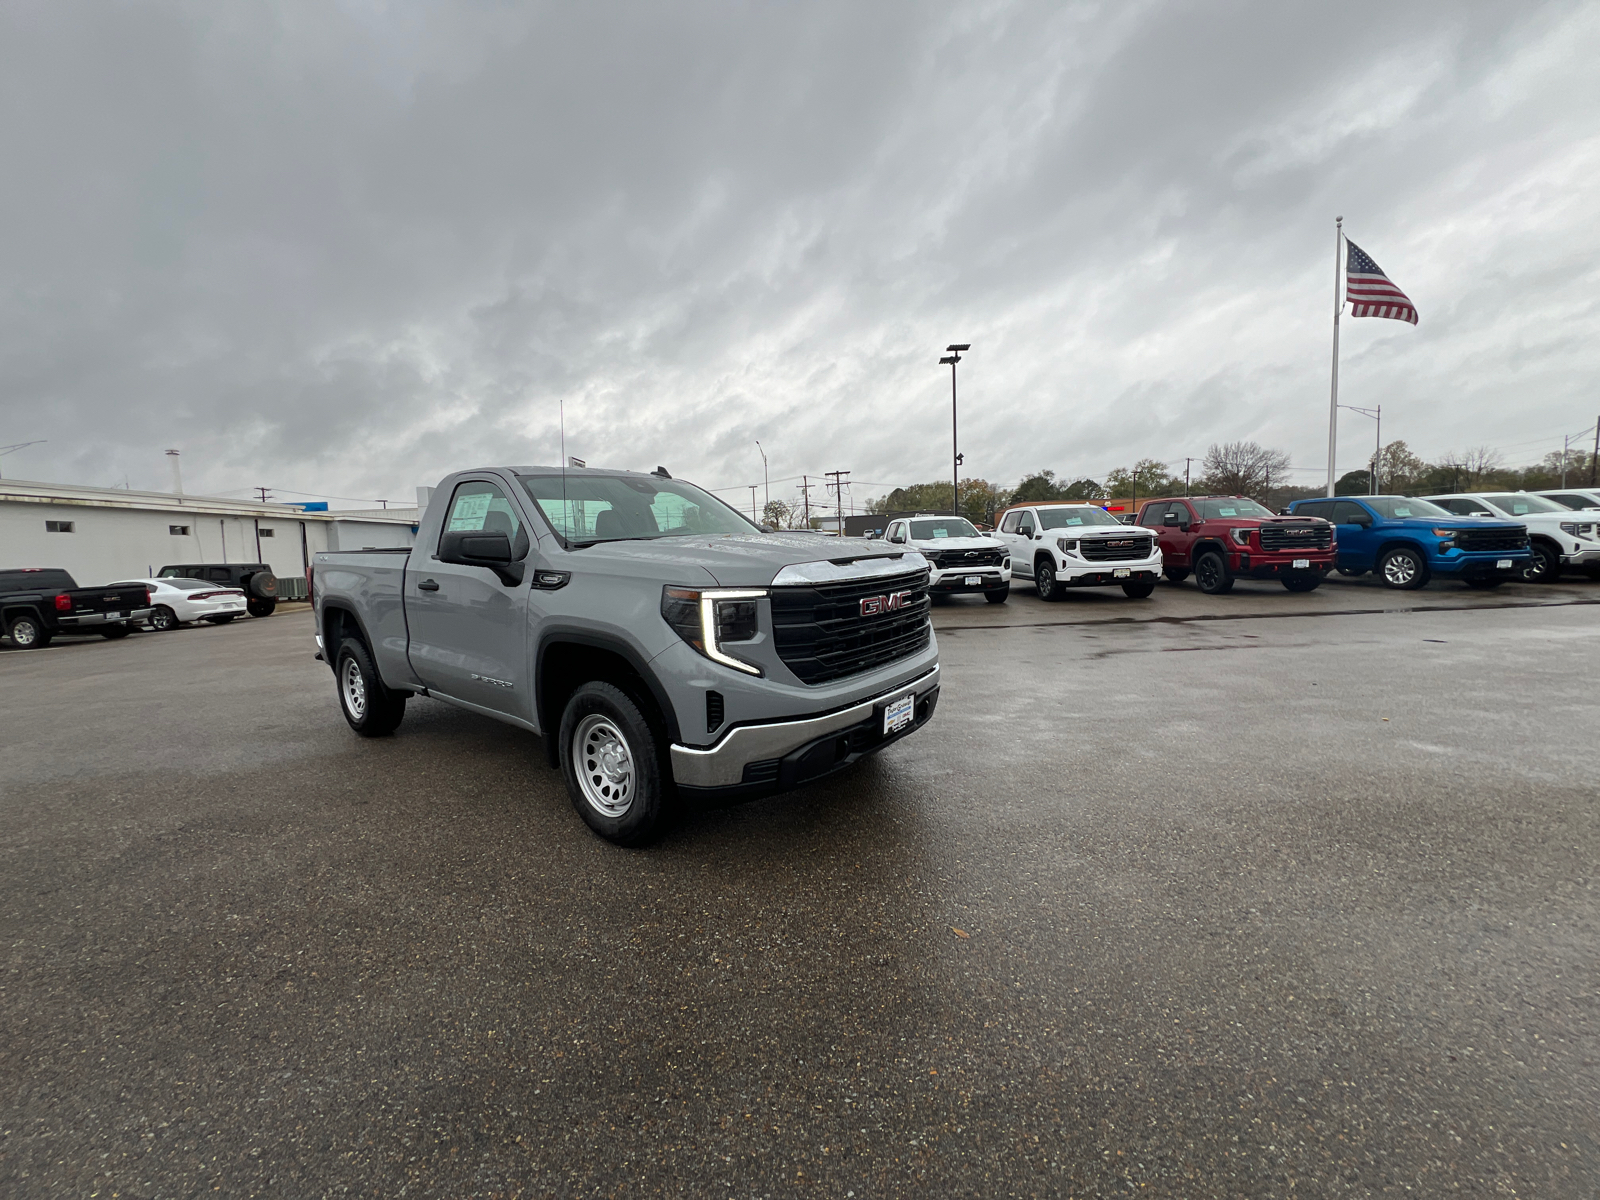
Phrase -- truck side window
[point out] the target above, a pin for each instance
(1025, 524)
(1154, 514)
(482, 506)
(1348, 512)
(1009, 525)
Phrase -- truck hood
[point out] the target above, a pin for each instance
(754, 559)
(964, 543)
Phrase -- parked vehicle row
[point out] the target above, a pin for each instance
(1558, 536)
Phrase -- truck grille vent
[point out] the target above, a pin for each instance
(1492, 539)
(964, 558)
(1289, 536)
(1118, 549)
(765, 771)
(714, 715)
(821, 633)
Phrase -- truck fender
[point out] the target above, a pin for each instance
(1396, 542)
(553, 635)
(1201, 547)
(330, 642)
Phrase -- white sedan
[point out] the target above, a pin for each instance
(175, 602)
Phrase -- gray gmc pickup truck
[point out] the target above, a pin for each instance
(658, 640)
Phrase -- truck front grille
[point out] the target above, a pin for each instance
(1492, 539)
(964, 558)
(1317, 536)
(824, 631)
(1114, 549)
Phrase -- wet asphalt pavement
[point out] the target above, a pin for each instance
(1269, 906)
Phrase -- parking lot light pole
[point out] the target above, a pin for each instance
(1377, 453)
(955, 457)
(764, 483)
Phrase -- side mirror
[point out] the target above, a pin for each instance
(1170, 519)
(477, 548)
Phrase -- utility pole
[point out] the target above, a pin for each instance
(838, 494)
(805, 498)
(952, 359)
(1594, 461)
(753, 516)
(1186, 463)
(764, 482)
(263, 491)
(1565, 442)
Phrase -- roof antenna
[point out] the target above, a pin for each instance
(662, 472)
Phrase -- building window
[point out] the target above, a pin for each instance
(266, 533)
(58, 526)
(178, 530)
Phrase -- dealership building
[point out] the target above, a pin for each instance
(102, 535)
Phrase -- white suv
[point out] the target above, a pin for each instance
(1558, 536)
(963, 560)
(1060, 546)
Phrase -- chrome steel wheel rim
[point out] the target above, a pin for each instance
(353, 687)
(604, 765)
(1399, 569)
(23, 633)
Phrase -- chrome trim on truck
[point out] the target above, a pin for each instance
(870, 565)
(722, 765)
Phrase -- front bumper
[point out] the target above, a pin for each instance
(955, 579)
(756, 760)
(1076, 573)
(1581, 558)
(1481, 564)
(95, 620)
(1254, 565)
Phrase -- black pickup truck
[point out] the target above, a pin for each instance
(38, 603)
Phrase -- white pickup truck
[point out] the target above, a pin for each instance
(1062, 546)
(1558, 536)
(962, 559)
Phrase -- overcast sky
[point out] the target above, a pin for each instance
(347, 248)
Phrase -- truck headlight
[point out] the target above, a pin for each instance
(710, 618)
(1068, 545)
(1241, 537)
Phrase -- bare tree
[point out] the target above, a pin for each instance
(1468, 468)
(1243, 469)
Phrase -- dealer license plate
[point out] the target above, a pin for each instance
(1503, 564)
(899, 714)
(1122, 572)
(121, 616)
(972, 581)
(1300, 564)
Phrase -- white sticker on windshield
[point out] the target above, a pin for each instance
(469, 512)
(1227, 512)
(1401, 512)
(1074, 520)
(941, 533)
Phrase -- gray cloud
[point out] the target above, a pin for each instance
(346, 249)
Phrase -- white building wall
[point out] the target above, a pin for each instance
(367, 535)
(108, 544)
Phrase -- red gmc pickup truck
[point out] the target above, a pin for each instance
(1223, 538)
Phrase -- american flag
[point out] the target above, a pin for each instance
(1370, 292)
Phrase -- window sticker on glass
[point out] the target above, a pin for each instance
(1227, 512)
(1401, 511)
(469, 512)
(1074, 520)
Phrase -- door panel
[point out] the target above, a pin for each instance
(1356, 542)
(469, 630)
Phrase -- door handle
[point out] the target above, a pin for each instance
(427, 585)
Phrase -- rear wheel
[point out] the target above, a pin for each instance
(1545, 566)
(163, 618)
(112, 632)
(1485, 583)
(612, 765)
(1175, 574)
(1302, 583)
(371, 708)
(27, 633)
(998, 597)
(1211, 574)
(260, 608)
(1138, 591)
(1044, 576)
(1402, 568)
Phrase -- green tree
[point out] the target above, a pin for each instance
(1399, 470)
(1353, 483)
(1036, 489)
(1147, 477)
(1084, 489)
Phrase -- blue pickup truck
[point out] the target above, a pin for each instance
(1407, 541)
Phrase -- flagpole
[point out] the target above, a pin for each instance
(1338, 305)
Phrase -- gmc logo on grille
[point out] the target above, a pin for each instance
(1305, 532)
(876, 606)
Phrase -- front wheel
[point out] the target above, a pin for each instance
(27, 633)
(163, 619)
(371, 708)
(1138, 591)
(612, 765)
(1352, 572)
(1044, 577)
(1545, 566)
(1211, 574)
(1302, 583)
(260, 608)
(998, 597)
(112, 632)
(1403, 569)
(1175, 574)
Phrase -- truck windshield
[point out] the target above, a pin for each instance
(944, 527)
(1064, 518)
(588, 508)
(1519, 505)
(1234, 506)
(1401, 508)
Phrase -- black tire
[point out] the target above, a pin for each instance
(372, 709)
(1403, 569)
(114, 632)
(998, 597)
(1485, 583)
(1353, 572)
(1139, 591)
(163, 619)
(260, 608)
(618, 789)
(28, 632)
(1211, 574)
(1302, 583)
(1175, 574)
(1545, 566)
(1044, 578)
(223, 619)
(1593, 572)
